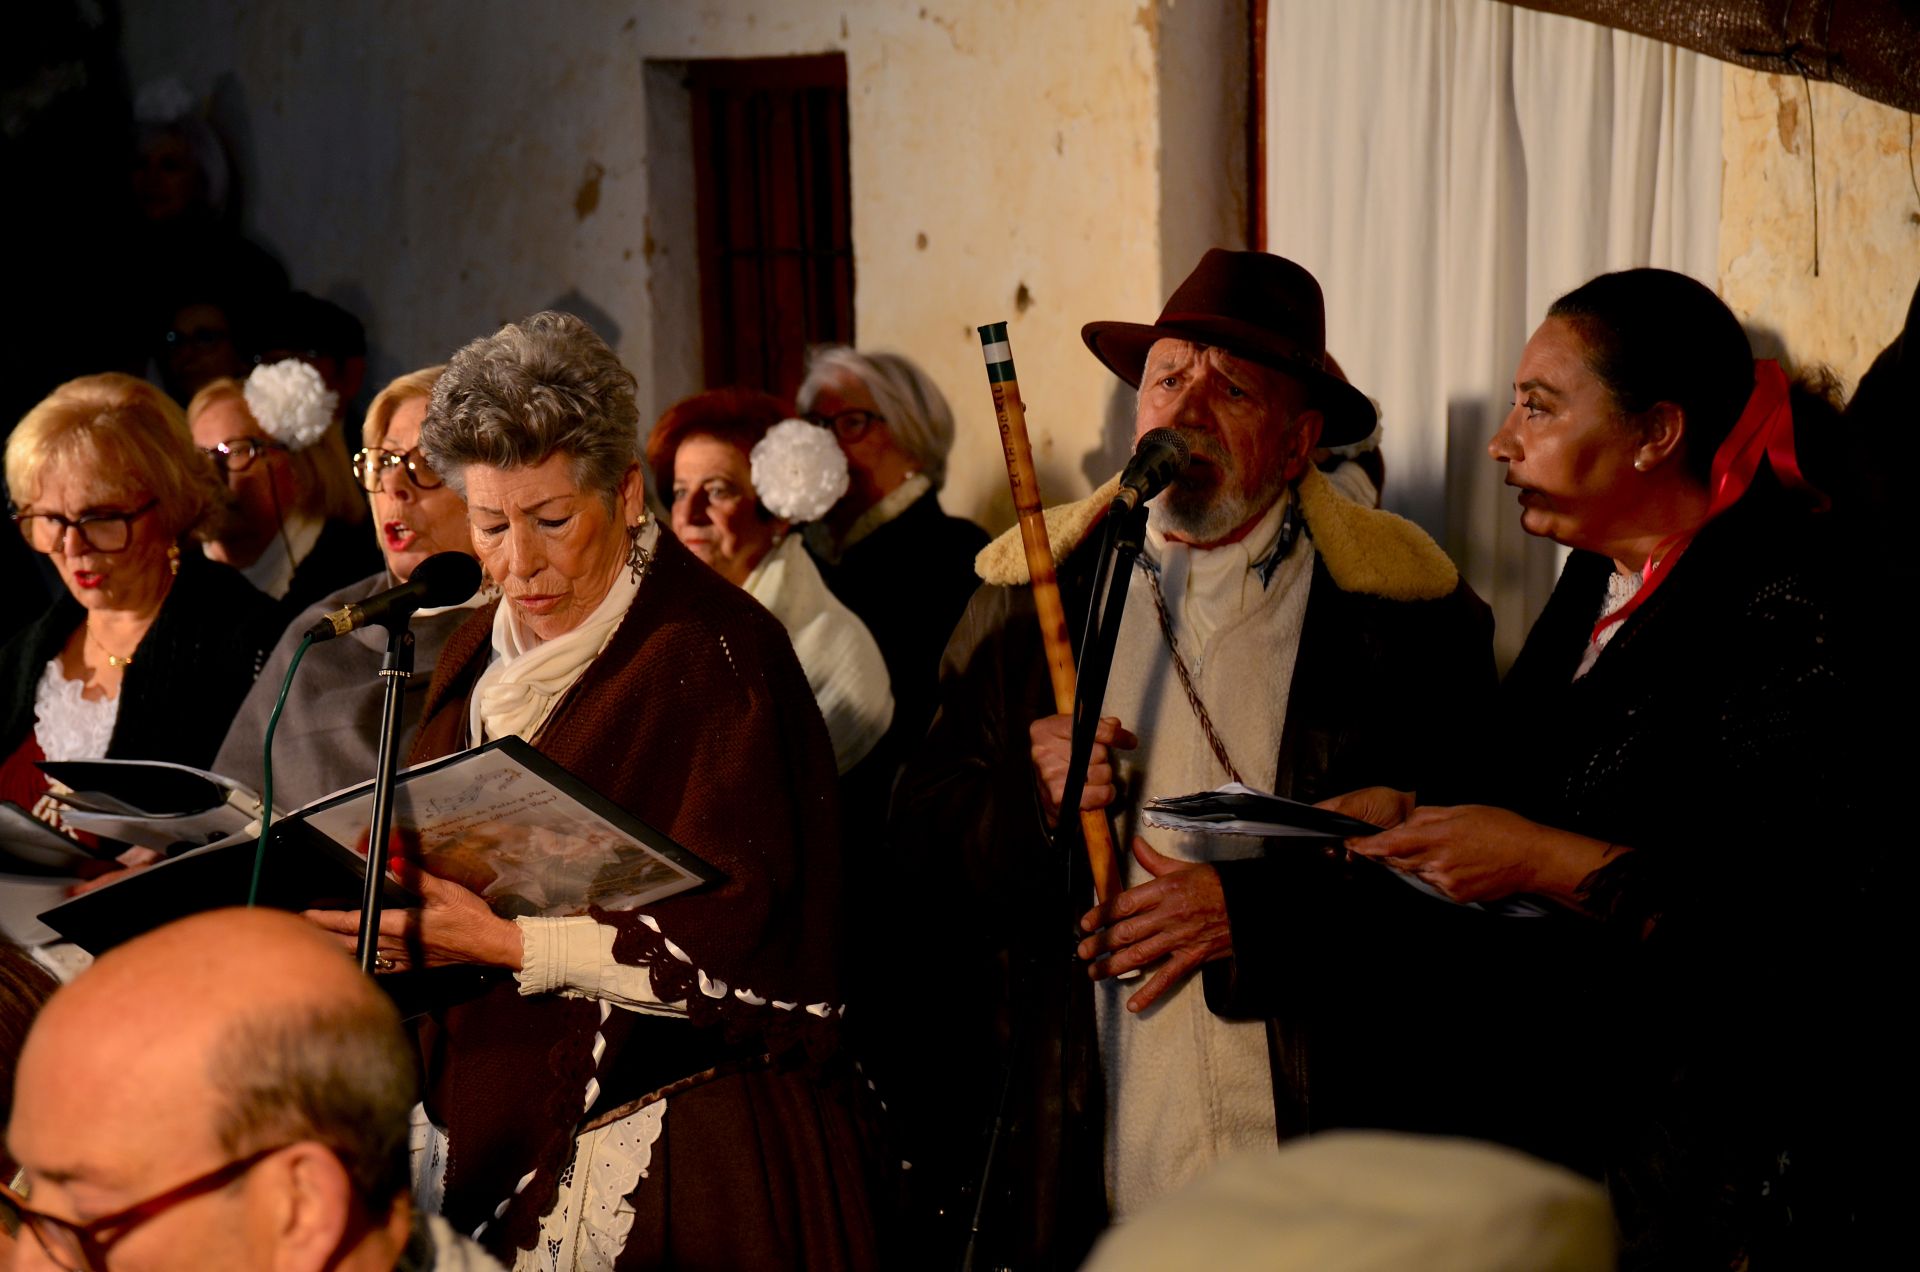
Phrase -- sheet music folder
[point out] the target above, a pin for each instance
(501, 819)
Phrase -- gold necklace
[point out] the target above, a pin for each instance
(113, 659)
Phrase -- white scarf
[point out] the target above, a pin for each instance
(843, 665)
(528, 675)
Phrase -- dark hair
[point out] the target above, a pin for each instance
(24, 987)
(1655, 336)
(340, 1075)
(738, 416)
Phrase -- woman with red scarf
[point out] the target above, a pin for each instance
(1678, 762)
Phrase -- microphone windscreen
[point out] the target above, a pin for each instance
(449, 579)
(1170, 439)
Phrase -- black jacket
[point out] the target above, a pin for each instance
(908, 582)
(345, 553)
(1379, 688)
(1737, 733)
(187, 678)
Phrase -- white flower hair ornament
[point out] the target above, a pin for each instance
(291, 403)
(799, 471)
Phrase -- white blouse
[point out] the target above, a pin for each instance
(69, 725)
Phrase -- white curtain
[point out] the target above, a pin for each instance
(1446, 168)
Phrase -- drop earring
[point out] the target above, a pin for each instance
(639, 560)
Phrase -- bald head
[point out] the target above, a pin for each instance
(202, 1042)
(210, 970)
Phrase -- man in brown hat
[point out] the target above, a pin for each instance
(1275, 633)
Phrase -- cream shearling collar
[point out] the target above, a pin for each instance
(1366, 550)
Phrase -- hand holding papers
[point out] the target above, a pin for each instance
(150, 803)
(501, 820)
(38, 865)
(1237, 809)
(509, 824)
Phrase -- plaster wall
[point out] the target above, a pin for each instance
(445, 165)
(1868, 219)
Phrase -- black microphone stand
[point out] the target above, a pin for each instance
(395, 670)
(1121, 544)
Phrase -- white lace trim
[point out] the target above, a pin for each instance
(1620, 589)
(427, 1151)
(711, 987)
(592, 1213)
(593, 1093)
(69, 726)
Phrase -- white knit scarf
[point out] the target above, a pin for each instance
(528, 675)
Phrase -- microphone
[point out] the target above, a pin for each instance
(1161, 456)
(445, 578)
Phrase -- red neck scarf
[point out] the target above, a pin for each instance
(1764, 431)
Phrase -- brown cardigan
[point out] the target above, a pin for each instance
(697, 719)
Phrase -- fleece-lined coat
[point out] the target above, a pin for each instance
(1395, 657)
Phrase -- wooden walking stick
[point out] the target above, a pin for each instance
(1046, 588)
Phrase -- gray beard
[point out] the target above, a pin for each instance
(1206, 517)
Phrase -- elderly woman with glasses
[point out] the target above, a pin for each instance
(659, 1087)
(152, 648)
(330, 727)
(888, 550)
(298, 523)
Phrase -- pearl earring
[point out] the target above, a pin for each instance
(1639, 465)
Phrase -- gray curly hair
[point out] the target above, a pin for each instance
(915, 410)
(546, 385)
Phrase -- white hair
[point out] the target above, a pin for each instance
(915, 410)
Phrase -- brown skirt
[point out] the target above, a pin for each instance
(766, 1170)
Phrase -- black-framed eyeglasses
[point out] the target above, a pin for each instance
(848, 426)
(371, 463)
(237, 455)
(107, 532)
(82, 1247)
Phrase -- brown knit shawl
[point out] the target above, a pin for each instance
(697, 719)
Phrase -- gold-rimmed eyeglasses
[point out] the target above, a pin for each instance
(371, 464)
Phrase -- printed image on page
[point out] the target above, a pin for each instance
(529, 849)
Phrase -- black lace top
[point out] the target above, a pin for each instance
(1727, 735)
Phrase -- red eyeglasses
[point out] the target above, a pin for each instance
(82, 1247)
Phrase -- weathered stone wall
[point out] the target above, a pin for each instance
(443, 165)
(1868, 219)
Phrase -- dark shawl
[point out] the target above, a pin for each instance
(697, 719)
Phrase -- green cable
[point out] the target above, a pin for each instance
(266, 770)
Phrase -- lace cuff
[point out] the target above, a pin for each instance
(574, 957)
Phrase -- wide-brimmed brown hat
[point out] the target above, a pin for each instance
(1256, 306)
